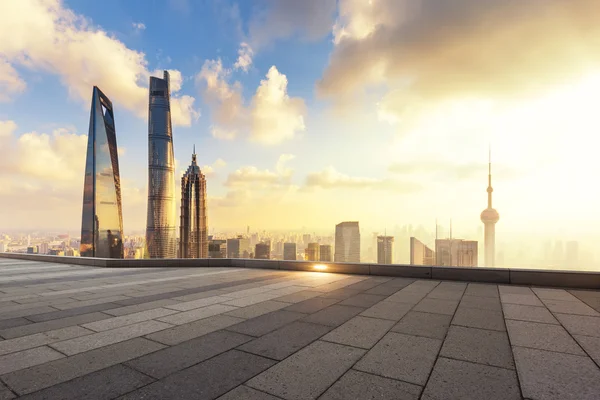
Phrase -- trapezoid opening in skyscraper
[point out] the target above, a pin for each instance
(102, 215)
(161, 235)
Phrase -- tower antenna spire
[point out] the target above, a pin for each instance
(490, 189)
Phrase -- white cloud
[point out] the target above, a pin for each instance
(330, 178)
(244, 60)
(210, 170)
(7, 128)
(10, 82)
(263, 178)
(138, 26)
(81, 54)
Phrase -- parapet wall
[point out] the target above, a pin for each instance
(570, 279)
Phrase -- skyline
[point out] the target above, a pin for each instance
(331, 161)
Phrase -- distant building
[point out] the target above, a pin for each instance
(32, 250)
(217, 248)
(420, 254)
(347, 242)
(193, 225)
(3, 247)
(489, 217)
(43, 248)
(238, 247)
(262, 251)
(311, 253)
(325, 253)
(385, 245)
(456, 253)
(289, 251)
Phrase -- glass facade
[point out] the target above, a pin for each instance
(102, 216)
(161, 237)
(193, 225)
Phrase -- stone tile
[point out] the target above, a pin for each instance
(523, 299)
(482, 290)
(570, 307)
(40, 339)
(580, 324)
(360, 332)
(436, 306)
(105, 338)
(428, 325)
(478, 345)
(443, 294)
(299, 296)
(358, 385)
(591, 345)
(207, 380)
(51, 325)
(257, 310)
(407, 297)
(254, 299)
(550, 375)
(181, 333)
(5, 393)
(460, 380)
(398, 356)
(307, 373)
(484, 303)
(312, 305)
(334, 315)
(285, 341)
(13, 322)
(190, 305)
(362, 300)
(94, 302)
(266, 323)
(341, 294)
(476, 318)
(194, 315)
(105, 384)
(383, 290)
(71, 312)
(116, 322)
(175, 358)
(399, 282)
(117, 312)
(387, 310)
(27, 358)
(514, 289)
(26, 312)
(554, 294)
(247, 393)
(528, 313)
(542, 336)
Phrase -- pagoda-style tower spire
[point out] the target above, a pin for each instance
(490, 217)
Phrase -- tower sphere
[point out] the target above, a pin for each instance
(490, 215)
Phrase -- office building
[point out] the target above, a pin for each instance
(102, 215)
(490, 217)
(385, 245)
(289, 251)
(238, 247)
(193, 225)
(262, 251)
(456, 253)
(217, 248)
(325, 254)
(347, 242)
(32, 250)
(161, 235)
(420, 254)
(43, 248)
(311, 253)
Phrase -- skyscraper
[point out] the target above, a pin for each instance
(384, 249)
(490, 217)
(262, 250)
(102, 216)
(347, 242)
(456, 253)
(161, 238)
(193, 225)
(238, 247)
(289, 251)
(420, 254)
(325, 253)
(312, 252)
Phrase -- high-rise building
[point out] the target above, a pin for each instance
(325, 253)
(32, 250)
(311, 253)
(262, 251)
(161, 235)
(490, 217)
(385, 245)
(289, 251)
(102, 215)
(347, 242)
(420, 254)
(456, 253)
(43, 248)
(217, 248)
(3, 247)
(238, 247)
(193, 225)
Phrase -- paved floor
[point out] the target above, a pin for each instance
(84, 333)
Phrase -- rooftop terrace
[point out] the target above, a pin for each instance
(76, 332)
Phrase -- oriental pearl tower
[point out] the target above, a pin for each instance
(489, 217)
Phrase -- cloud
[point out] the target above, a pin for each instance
(257, 178)
(210, 170)
(436, 170)
(81, 54)
(10, 82)
(273, 116)
(432, 50)
(7, 128)
(232, 198)
(138, 26)
(244, 60)
(330, 178)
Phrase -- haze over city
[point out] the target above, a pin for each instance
(308, 113)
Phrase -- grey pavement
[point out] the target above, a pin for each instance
(72, 332)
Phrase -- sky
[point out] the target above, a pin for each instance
(308, 113)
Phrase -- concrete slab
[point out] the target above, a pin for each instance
(334, 315)
(247, 393)
(307, 373)
(429, 325)
(435, 306)
(117, 322)
(570, 307)
(483, 303)
(40, 339)
(523, 299)
(542, 336)
(554, 294)
(51, 325)
(580, 324)
(191, 330)
(27, 358)
(528, 313)
(403, 357)
(257, 310)
(387, 310)
(362, 300)
(476, 318)
(479, 346)
(194, 315)
(313, 305)
(591, 345)
(358, 385)
(266, 323)
(360, 332)
(482, 290)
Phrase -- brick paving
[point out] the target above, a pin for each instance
(69, 332)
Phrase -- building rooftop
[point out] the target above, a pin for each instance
(74, 332)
